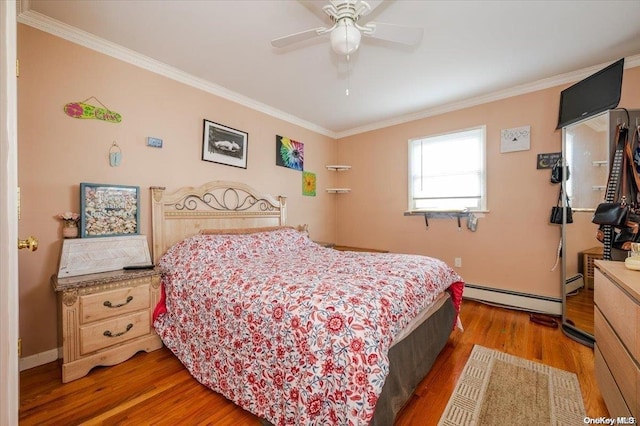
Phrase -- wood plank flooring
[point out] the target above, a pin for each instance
(155, 389)
(580, 309)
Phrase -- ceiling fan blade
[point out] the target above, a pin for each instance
(410, 36)
(315, 7)
(373, 4)
(297, 37)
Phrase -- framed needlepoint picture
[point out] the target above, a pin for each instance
(109, 210)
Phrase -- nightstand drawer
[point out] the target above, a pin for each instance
(98, 306)
(108, 333)
(105, 318)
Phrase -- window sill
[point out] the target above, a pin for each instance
(444, 213)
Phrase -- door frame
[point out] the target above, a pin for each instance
(9, 385)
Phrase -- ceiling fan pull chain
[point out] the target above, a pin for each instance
(348, 76)
(346, 39)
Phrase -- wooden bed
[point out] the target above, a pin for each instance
(214, 205)
(231, 205)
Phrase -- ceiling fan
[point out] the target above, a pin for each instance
(346, 32)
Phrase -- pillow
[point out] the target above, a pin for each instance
(217, 246)
(238, 231)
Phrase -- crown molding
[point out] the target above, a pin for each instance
(83, 38)
(570, 77)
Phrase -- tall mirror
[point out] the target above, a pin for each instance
(587, 148)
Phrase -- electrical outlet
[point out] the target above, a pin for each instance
(457, 262)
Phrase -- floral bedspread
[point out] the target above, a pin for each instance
(291, 331)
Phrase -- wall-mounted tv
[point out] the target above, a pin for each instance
(593, 95)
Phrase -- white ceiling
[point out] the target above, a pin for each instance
(471, 51)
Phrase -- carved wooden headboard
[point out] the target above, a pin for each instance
(214, 205)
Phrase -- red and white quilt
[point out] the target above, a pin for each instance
(291, 331)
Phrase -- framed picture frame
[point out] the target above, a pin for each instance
(224, 145)
(109, 210)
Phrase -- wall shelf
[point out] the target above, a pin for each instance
(337, 167)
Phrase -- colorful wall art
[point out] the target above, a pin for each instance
(309, 184)
(289, 153)
(84, 110)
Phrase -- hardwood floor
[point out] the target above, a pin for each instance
(580, 309)
(156, 389)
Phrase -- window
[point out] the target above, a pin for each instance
(447, 172)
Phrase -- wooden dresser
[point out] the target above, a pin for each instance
(105, 318)
(617, 336)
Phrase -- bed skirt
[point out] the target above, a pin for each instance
(410, 361)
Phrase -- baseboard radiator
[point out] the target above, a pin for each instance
(574, 283)
(513, 299)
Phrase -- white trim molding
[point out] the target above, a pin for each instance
(9, 294)
(514, 300)
(567, 78)
(83, 38)
(40, 359)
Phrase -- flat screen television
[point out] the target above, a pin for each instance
(593, 95)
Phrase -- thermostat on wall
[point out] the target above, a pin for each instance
(154, 142)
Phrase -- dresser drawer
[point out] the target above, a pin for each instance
(112, 332)
(99, 306)
(620, 310)
(608, 387)
(622, 367)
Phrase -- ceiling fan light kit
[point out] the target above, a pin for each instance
(346, 33)
(345, 38)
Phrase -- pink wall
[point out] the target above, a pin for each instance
(514, 247)
(57, 152)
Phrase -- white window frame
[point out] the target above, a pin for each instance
(482, 133)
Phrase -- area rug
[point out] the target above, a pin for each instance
(496, 388)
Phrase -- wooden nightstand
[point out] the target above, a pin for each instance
(105, 318)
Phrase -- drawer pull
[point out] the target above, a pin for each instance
(109, 334)
(109, 305)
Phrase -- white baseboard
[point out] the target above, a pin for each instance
(574, 283)
(514, 300)
(39, 359)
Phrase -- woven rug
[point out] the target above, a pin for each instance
(500, 389)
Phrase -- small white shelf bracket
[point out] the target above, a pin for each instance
(337, 167)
